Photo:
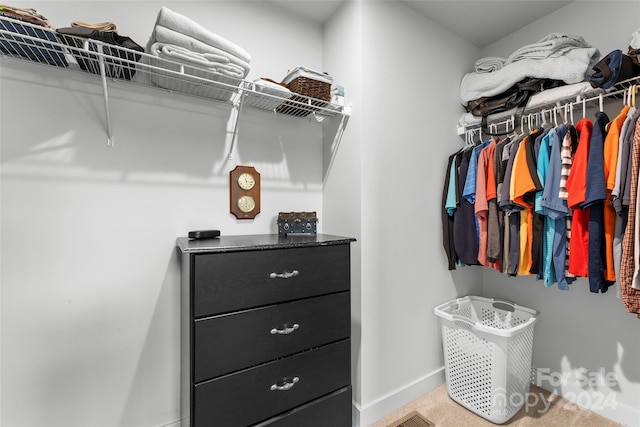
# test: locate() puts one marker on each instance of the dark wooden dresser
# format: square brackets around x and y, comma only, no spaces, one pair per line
[265,331]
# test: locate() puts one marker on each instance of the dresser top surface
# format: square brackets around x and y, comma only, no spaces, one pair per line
[258,241]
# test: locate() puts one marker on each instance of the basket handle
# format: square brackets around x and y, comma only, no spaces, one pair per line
[504,304]
[456,318]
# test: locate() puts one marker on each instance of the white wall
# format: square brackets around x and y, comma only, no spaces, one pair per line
[581,335]
[90,273]
[342,202]
[411,70]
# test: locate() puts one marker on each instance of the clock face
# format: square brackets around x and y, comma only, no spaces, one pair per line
[246,204]
[246,181]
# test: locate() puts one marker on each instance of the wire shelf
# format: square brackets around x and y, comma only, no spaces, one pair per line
[27,41]
[562,105]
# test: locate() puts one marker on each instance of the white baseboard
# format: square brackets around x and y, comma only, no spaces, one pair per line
[367,414]
[605,402]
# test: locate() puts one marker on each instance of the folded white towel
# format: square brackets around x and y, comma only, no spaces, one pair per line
[171,37]
[181,53]
[489,64]
[554,44]
[271,88]
[169,19]
[207,62]
[571,67]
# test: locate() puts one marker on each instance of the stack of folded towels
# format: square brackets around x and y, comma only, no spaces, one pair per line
[177,40]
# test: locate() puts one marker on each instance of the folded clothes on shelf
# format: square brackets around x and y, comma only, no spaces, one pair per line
[14,22]
[552,45]
[24,14]
[556,56]
[308,73]
[571,67]
[544,99]
[489,64]
[265,93]
[311,89]
[105,32]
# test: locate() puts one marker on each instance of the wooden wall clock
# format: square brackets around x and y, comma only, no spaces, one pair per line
[244,192]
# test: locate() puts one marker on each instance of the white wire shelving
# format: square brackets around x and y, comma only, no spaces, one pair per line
[25,41]
[563,107]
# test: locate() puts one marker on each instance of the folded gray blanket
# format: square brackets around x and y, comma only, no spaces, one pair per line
[552,45]
[489,64]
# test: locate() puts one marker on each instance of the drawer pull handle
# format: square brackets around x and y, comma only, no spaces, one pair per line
[286,386]
[284,275]
[285,331]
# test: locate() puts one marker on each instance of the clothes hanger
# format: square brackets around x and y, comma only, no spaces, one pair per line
[601,103]
[625,100]
[514,133]
[584,108]
[532,122]
[571,113]
[468,138]
[545,124]
[522,118]
[493,127]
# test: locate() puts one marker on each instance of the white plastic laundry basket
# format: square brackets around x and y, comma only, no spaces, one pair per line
[487,347]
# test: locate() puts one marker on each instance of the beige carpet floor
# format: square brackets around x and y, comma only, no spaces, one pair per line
[441,410]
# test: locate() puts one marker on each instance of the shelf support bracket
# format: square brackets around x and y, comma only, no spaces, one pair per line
[103,75]
[235,125]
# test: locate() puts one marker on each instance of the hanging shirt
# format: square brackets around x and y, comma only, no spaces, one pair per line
[485,187]
[577,180]
[537,221]
[469,191]
[524,184]
[464,221]
[595,195]
[546,273]
[626,139]
[556,209]
[447,218]
[451,185]
[631,296]
[576,189]
[496,216]
[624,154]
[612,148]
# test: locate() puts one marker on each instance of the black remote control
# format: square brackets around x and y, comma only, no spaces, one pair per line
[204,234]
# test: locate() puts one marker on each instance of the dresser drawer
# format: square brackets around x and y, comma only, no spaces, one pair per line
[333,410]
[229,281]
[259,393]
[231,342]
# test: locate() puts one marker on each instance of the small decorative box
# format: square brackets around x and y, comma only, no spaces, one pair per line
[297,222]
